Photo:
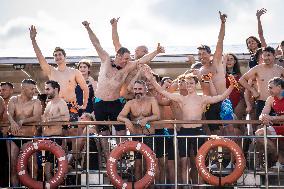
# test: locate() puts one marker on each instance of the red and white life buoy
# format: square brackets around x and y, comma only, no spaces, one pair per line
[235,150]
[28,150]
[115,155]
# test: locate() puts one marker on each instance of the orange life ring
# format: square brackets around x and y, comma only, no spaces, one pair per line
[235,150]
[116,153]
[28,150]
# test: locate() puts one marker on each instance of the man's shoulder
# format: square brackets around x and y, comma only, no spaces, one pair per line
[151,99]
[72,70]
[258,67]
[207,68]
[61,100]
[13,99]
[129,102]
[270,100]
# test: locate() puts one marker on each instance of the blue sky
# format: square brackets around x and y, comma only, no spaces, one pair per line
[170,22]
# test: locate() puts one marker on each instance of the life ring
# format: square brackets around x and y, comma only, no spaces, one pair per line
[28,150]
[116,153]
[235,150]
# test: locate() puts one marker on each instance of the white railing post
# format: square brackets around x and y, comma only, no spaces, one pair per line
[175,150]
[265,157]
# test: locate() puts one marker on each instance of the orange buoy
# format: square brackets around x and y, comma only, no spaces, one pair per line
[28,150]
[235,150]
[115,155]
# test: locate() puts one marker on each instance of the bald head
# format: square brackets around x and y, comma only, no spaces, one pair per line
[140,51]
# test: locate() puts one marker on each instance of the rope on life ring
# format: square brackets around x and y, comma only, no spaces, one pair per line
[32,147]
[235,150]
[115,155]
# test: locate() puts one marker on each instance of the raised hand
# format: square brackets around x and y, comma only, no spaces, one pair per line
[114,21]
[223,17]
[160,49]
[33,32]
[86,24]
[260,12]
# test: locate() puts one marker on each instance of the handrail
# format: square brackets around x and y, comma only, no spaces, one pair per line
[56,123]
[174,122]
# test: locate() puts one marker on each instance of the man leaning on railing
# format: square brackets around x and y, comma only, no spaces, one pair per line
[276,102]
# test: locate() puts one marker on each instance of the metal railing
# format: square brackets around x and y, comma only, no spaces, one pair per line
[262,176]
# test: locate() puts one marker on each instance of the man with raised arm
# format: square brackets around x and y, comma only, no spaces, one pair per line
[215,67]
[142,109]
[56,110]
[192,107]
[68,78]
[262,73]
[140,51]
[111,77]
[22,109]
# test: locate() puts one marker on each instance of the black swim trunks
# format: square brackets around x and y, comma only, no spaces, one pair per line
[108,111]
[213,113]
[185,144]
[17,141]
[164,146]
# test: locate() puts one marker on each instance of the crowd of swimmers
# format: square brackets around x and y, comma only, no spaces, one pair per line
[129,91]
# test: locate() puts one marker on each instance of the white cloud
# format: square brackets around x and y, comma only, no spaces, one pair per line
[180,23]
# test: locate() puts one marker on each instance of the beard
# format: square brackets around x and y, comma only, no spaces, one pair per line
[138,95]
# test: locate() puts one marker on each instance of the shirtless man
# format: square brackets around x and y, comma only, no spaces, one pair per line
[276,102]
[112,76]
[142,109]
[192,107]
[56,110]
[280,54]
[3,155]
[262,73]
[22,109]
[68,78]
[7,90]
[215,67]
[140,51]
[2,108]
